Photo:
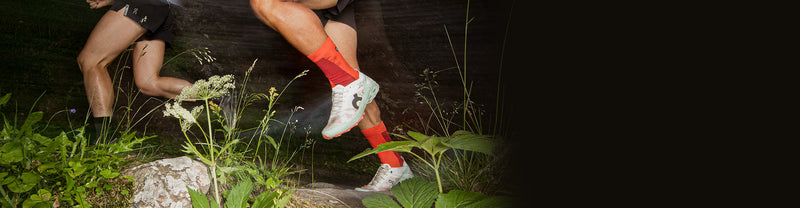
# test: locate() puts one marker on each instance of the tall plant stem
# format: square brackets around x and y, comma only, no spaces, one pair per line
[435,167]
[436,170]
[213,165]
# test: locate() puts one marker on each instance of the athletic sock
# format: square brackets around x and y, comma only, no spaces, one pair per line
[333,65]
[377,135]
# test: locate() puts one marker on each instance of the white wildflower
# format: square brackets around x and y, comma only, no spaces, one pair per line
[216,86]
[186,117]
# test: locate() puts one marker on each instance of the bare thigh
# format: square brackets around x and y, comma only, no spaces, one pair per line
[148,56]
[112,34]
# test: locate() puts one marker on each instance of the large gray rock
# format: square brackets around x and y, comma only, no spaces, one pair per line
[163,183]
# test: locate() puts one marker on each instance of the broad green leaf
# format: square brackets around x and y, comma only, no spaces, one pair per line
[5,134]
[41,199]
[5,99]
[415,193]
[43,194]
[238,195]
[34,117]
[45,167]
[379,200]
[434,145]
[30,203]
[92,184]
[270,183]
[43,140]
[24,183]
[284,200]
[76,169]
[399,146]
[11,152]
[264,200]
[30,178]
[458,198]
[417,136]
[213,203]
[109,173]
[7,180]
[472,142]
[199,200]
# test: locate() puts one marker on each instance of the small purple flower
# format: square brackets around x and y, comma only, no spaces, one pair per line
[72,110]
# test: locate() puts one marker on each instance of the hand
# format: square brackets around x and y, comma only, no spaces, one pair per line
[94,4]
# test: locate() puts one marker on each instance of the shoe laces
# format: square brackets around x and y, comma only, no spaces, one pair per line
[337,98]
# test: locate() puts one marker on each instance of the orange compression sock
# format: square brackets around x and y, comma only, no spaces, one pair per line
[333,65]
[377,135]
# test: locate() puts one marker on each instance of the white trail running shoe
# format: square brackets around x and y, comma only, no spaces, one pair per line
[348,104]
[387,177]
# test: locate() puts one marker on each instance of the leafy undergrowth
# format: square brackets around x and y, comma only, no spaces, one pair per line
[70,169]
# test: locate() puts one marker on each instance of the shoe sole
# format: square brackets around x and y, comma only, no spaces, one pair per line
[370,91]
[345,131]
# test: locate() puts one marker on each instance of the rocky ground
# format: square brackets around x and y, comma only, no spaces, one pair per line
[163,183]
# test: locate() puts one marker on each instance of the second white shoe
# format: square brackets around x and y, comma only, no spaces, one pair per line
[387,177]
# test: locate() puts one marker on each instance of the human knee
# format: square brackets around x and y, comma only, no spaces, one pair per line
[88,62]
[262,8]
[148,88]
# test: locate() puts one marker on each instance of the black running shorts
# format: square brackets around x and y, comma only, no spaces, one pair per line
[342,12]
[153,15]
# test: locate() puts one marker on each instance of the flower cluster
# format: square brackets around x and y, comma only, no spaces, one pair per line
[213,106]
[273,93]
[186,117]
[216,86]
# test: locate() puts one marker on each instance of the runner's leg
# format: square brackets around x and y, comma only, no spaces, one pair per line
[295,20]
[346,39]
[148,57]
[112,34]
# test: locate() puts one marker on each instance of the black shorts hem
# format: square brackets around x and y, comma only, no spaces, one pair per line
[343,12]
[155,17]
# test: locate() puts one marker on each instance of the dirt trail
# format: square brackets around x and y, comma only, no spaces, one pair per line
[331,195]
